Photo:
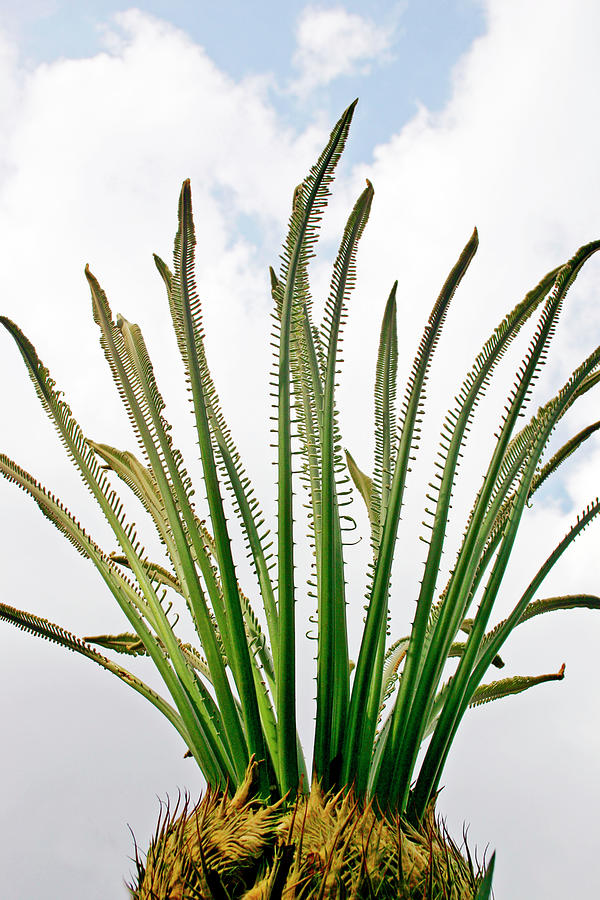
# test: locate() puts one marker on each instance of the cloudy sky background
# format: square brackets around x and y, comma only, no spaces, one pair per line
[470,113]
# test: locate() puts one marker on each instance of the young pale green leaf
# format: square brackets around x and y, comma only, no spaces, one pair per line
[363,483]
[551,604]
[458,648]
[158,573]
[394,657]
[126,642]
[140,480]
[496,690]
[543,606]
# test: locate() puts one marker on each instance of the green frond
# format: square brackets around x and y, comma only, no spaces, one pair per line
[129,643]
[248,510]
[256,638]
[562,454]
[133,603]
[515,455]
[263,665]
[256,641]
[189,701]
[237,482]
[521,443]
[454,605]
[186,313]
[551,604]
[502,630]
[386,436]
[509,455]
[291,297]
[366,690]
[332,658]
[592,379]
[49,631]
[394,657]
[65,522]
[132,370]
[481,650]
[310,199]
[121,366]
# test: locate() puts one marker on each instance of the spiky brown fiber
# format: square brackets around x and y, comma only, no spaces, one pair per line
[322,846]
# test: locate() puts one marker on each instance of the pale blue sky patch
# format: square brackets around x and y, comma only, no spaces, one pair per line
[416,44]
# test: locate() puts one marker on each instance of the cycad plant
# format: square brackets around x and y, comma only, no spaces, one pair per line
[362,823]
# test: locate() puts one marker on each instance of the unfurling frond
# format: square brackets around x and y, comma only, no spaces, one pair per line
[127,642]
[362,482]
[485,693]
[48,631]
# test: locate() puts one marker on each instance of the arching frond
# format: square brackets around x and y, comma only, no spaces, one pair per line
[409,728]
[480,651]
[132,370]
[133,603]
[48,631]
[485,693]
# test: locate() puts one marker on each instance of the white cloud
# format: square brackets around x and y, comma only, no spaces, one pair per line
[93,155]
[332,42]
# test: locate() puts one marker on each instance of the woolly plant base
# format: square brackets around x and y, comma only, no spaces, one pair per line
[323,846]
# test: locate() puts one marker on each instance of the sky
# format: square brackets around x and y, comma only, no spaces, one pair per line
[472,112]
